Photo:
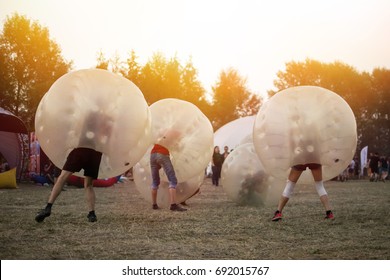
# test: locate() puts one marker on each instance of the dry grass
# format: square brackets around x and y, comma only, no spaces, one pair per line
[213,228]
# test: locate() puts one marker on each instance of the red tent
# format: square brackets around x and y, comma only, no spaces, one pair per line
[12,145]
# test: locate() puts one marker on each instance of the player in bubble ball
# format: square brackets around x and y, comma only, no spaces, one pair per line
[96,129]
[295,173]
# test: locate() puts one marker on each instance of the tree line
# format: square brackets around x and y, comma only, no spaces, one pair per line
[30,62]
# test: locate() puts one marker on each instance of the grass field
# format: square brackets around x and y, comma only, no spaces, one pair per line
[213,228]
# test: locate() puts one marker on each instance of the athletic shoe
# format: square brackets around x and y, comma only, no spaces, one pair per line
[155,207]
[176,207]
[92,217]
[329,216]
[42,214]
[277,216]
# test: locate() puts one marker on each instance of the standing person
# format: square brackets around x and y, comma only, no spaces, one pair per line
[374,166]
[160,158]
[295,173]
[351,169]
[225,152]
[83,157]
[383,169]
[216,167]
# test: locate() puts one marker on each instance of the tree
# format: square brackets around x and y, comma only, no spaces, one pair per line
[161,78]
[133,69]
[232,99]
[375,120]
[193,90]
[152,83]
[337,77]
[30,62]
[102,62]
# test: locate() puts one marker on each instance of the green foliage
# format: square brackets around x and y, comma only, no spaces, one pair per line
[30,62]
[367,94]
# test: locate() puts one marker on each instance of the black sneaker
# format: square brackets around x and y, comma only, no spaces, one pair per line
[92,217]
[155,207]
[176,207]
[42,214]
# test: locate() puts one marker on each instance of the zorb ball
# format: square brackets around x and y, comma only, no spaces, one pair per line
[184,190]
[244,178]
[302,125]
[187,133]
[94,109]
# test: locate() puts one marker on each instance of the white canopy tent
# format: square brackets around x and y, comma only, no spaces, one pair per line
[234,133]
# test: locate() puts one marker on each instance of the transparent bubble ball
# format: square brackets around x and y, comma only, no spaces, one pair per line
[305,124]
[188,135]
[244,178]
[94,108]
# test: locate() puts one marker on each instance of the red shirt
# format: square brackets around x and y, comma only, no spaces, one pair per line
[160,150]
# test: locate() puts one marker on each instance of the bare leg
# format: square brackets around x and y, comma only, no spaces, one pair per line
[282,202]
[293,177]
[317,175]
[325,201]
[90,193]
[57,188]
[172,195]
[154,196]
[55,192]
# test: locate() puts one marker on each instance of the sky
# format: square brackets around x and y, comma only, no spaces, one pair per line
[255,37]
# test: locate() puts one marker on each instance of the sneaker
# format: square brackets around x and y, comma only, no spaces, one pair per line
[176,207]
[155,207]
[91,217]
[329,216]
[277,216]
[42,214]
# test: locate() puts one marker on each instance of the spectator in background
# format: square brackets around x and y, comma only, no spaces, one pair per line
[216,167]
[374,166]
[351,169]
[384,168]
[225,152]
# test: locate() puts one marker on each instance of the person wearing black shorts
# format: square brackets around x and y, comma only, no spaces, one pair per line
[79,158]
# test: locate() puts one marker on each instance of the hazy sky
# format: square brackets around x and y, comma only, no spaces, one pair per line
[253,36]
